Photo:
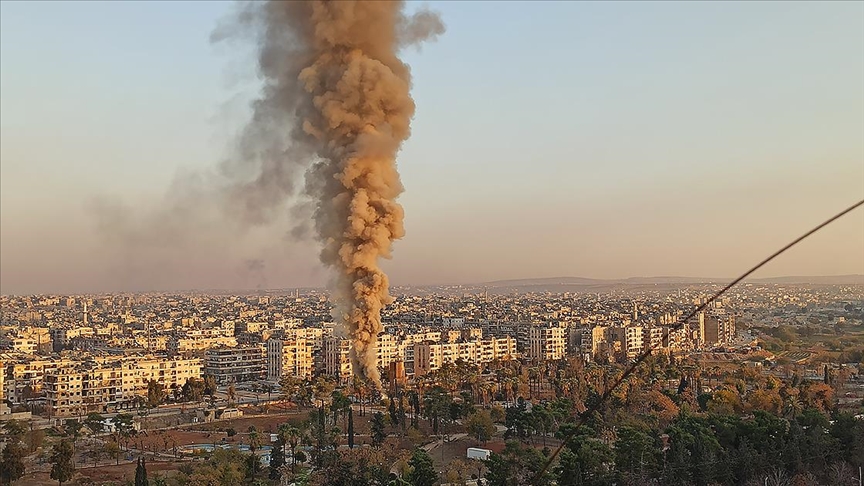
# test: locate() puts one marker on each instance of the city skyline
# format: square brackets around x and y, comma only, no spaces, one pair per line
[614,150]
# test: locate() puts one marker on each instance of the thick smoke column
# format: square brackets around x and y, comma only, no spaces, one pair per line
[336,88]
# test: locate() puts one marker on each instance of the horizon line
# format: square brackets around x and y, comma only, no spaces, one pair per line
[479,284]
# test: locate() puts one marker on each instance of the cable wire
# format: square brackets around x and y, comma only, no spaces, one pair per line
[583,417]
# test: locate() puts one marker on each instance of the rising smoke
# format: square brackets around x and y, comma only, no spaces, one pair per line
[320,148]
[336,96]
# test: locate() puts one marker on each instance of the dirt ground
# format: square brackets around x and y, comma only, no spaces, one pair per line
[109,474]
[158,446]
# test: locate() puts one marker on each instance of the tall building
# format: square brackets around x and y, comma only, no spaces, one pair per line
[547,343]
[292,356]
[719,329]
[337,357]
[631,340]
[235,365]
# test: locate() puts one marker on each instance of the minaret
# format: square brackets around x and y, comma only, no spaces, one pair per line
[85,313]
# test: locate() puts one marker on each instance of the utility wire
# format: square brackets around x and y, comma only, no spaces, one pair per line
[583,417]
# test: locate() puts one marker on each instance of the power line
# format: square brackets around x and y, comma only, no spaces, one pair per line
[583,417]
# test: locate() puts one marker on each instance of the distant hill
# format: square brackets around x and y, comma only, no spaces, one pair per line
[823,280]
[559,283]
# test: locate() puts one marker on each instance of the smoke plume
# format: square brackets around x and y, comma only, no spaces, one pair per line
[336,99]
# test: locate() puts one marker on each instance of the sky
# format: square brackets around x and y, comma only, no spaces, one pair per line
[601,140]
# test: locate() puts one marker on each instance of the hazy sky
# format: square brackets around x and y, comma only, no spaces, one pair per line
[551,139]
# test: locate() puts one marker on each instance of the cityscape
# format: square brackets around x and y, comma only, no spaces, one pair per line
[176,362]
[391,243]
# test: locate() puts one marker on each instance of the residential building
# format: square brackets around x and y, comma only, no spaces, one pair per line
[547,342]
[429,356]
[235,365]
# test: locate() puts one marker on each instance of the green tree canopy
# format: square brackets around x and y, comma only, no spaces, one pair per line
[62,468]
[422,470]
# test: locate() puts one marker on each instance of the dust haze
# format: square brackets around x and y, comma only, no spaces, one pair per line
[320,148]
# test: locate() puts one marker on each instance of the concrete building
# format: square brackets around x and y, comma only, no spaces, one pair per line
[719,329]
[110,384]
[236,365]
[337,357]
[63,389]
[547,343]
[630,339]
[294,356]
[430,356]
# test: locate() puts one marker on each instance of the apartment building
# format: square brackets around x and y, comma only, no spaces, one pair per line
[201,343]
[389,349]
[630,339]
[337,357]
[235,365]
[4,409]
[23,376]
[429,356]
[547,342]
[26,345]
[696,329]
[294,356]
[108,384]
[63,389]
[719,329]
[653,337]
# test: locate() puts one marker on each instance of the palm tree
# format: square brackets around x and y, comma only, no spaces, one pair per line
[289,385]
[340,404]
[322,389]
[291,436]
[358,389]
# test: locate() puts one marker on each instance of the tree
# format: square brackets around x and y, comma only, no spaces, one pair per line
[481,426]
[15,428]
[96,452]
[72,428]
[393,413]
[340,404]
[34,439]
[210,386]
[422,470]
[518,420]
[124,425]
[254,440]
[291,436]
[141,473]
[62,468]
[350,428]
[635,455]
[112,450]
[277,457]
[436,408]
[289,386]
[193,390]
[322,389]
[155,393]
[516,465]
[585,460]
[358,389]
[377,425]
[253,466]
[95,422]
[232,393]
[11,463]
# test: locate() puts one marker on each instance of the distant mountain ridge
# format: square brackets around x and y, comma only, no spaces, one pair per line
[853,279]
